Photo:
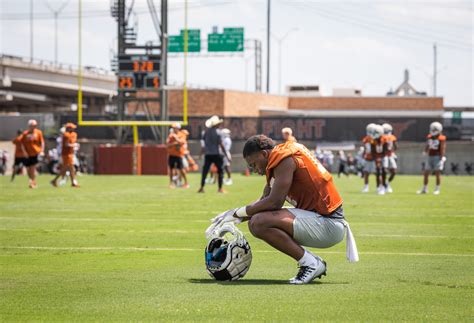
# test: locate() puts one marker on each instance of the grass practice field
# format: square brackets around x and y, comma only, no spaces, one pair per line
[125,248]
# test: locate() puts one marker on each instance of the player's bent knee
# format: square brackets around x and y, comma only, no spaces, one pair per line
[256,224]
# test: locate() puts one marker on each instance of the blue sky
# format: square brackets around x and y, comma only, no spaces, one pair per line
[334,44]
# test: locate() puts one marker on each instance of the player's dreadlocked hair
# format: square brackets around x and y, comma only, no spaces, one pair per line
[257,143]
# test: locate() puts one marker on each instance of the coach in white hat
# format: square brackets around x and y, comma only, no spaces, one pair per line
[211,141]
[213,121]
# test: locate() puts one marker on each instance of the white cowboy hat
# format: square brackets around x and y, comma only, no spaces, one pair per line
[226,131]
[213,121]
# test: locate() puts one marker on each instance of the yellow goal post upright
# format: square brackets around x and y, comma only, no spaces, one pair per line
[133,123]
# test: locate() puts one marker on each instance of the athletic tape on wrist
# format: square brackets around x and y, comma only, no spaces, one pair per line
[241,212]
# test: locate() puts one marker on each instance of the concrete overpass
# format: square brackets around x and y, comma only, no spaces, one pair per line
[41,86]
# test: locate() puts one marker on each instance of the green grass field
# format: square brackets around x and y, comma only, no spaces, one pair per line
[125,248]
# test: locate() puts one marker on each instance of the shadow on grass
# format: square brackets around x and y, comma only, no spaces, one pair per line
[256,282]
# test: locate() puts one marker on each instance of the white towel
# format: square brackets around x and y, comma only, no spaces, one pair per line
[351,248]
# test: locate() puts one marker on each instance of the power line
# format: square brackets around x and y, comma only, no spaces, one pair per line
[380,29]
[98,13]
[377,23]
[451,29]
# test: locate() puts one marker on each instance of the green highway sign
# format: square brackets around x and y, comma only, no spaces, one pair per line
[232,40]
[176,43]
[457,117]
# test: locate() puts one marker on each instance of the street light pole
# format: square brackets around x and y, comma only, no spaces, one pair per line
[55,38]
[56,15]
[31,30]
[280,41]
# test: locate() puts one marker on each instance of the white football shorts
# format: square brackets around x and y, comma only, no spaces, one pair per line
[311,229]
[434,163]
[369,166]
[389,162]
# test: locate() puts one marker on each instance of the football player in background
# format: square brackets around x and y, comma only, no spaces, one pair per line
[20,155]
[188,161]
[227,143]
[369,164]
[436,151]
[176,144]
[379,151]
[287,135]
[68,143]
[317,218]
[33,143]
[390,161]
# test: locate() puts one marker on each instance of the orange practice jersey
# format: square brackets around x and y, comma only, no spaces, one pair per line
[176,144]
[367,148]
[391,140]
[32,142]
[18,148]
[69,138]
[378,147]
[434,144]
[312,188]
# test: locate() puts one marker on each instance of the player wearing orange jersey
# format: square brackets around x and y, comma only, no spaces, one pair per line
[33,144]
[436,151]
[316,220]
[369,164]
[20,155]
[287,134]
[188,162]
[390,160]
[176,150]
[379,152]
[69,142]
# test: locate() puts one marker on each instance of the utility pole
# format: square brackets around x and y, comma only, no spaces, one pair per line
[121,24]
[31,30]
[435,68]
[268,45]
[56,14]
[164,68]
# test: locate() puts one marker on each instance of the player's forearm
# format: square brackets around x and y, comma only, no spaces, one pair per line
[442,150]
[266,204]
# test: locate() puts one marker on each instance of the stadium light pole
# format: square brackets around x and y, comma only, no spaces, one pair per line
[280,41]
[56,14]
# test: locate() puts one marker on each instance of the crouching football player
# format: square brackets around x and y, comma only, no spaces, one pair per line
[317,219]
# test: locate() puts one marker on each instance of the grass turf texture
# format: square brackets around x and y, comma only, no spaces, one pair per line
[130,249]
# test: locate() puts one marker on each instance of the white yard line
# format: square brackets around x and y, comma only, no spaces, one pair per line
[99,219]
[39,230]
[171,220]
[200,250]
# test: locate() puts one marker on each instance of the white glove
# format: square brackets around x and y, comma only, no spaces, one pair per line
[442,161]
[225,217]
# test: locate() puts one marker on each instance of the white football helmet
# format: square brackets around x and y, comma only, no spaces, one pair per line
[370,129]
[436,128]
[387,128]
[228,255]
[378,131]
